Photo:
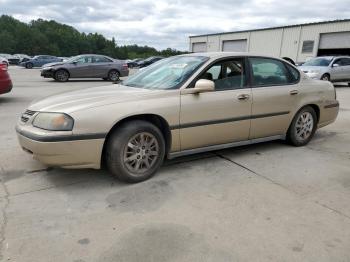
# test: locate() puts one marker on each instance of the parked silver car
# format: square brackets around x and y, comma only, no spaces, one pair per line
[328,68]
[86,66]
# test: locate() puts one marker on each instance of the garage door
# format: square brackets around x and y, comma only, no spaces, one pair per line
[335,40]
[199,47]
[234,45]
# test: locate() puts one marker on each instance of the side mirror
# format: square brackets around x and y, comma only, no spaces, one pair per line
[335,65]
[202,85]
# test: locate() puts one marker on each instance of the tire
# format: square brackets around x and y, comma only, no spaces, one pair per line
[29,65]
[303,127]
[61,75]
[326,77]
[140,161]
[113,75]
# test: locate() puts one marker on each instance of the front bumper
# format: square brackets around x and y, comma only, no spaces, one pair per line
[61,149]
[47,73]
[316,76]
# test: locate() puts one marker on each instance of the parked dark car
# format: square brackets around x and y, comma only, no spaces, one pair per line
[149,61]
[21,58]
[40,60]
[5,80]
[86,66]
[134,62]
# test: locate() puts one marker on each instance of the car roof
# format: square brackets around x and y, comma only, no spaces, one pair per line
[226,54]
[333,57]
[92,54]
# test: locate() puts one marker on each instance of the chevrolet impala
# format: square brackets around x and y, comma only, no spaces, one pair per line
[178,106]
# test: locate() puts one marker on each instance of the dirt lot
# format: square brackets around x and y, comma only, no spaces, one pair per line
[268,202]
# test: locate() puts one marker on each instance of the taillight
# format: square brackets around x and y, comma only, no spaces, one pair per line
[3,67]
[125,66]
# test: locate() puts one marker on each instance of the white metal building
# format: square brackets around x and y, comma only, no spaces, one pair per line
[295,42]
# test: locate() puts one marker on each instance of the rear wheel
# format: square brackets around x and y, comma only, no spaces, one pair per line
[113,75]
[29,65]
[303,127]
[61,75]
[135,151]
[326,77]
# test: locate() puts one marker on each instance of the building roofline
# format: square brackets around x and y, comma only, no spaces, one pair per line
[277,27]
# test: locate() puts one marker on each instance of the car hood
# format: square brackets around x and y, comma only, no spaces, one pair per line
[92,97]
[314,68]
[53,64]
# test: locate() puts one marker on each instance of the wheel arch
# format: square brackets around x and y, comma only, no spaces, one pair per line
[313,106]
[113,69]
[62,68]
[157,120]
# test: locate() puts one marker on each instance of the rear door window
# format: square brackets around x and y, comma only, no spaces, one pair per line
[101,59]
[269,72]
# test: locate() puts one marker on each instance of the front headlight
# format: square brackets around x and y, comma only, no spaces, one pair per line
[54,121]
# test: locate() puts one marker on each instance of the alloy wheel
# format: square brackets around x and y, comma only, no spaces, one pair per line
[304,126]
[62,76]
[113,75]
[325,78]
[141,153]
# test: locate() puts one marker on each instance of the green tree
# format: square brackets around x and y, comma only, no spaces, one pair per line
[52,38]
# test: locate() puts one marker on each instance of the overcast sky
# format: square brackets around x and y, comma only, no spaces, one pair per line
[168,23]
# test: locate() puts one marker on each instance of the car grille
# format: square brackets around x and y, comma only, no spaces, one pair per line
[27,115]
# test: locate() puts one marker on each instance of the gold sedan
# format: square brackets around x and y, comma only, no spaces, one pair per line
[178,106]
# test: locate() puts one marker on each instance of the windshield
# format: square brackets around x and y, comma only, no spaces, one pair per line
[319,61]
[73,59]
[168,73]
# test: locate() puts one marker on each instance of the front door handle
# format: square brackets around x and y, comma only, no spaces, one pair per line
[243,97]
[294,92]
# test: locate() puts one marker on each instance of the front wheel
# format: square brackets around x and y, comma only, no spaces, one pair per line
[29,65]
[303,127]
[61,75]
[113,75]
[326,77]
[135,151]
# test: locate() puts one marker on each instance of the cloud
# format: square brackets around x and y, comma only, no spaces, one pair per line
[168,23]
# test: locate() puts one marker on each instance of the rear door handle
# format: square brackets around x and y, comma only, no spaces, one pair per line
[294,92]
[243,97]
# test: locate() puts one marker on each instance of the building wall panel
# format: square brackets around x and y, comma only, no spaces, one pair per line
[280,42]
[267,42]
[312,32]
[290,43]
